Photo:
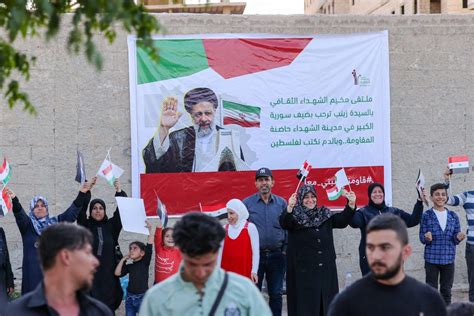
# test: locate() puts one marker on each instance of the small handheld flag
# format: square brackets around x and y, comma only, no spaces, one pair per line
[303,171]
[109,171]
[80,168]
[161,212]
[458,164]
[5,172]
[420,185]
[5,203]
[217,210]
[334,193]
[341,179]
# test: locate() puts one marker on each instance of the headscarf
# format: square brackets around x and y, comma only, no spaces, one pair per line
[91,206]
[309,217]
[370,190]
[241,210]
[41,224]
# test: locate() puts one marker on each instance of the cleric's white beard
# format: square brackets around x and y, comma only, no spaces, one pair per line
[203,132]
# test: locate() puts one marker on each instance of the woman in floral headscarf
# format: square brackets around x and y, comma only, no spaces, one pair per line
[311,276]
[240,252]
[31,226]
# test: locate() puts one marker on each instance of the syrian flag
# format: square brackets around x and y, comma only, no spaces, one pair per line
[5,172]
[110,171]
[161,212]
[459,164]
[80,168]
[5,203]
[241,114]
[420,185]
[304,171]
[334,193]
[217,210]
[341,179]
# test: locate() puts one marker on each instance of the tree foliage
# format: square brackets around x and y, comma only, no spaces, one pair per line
[29,18]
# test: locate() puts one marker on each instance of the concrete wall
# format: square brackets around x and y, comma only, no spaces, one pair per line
[431,70]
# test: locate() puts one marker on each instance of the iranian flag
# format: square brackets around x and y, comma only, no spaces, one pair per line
[5,172]
[459,164]
[334,193]
[5,203]
[241,114]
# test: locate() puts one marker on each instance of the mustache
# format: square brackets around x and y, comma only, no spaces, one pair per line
[378,264]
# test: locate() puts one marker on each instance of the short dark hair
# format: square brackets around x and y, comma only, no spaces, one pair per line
[461,309]
[139,245]
[437,186]
[198,234]
[61,236]
[198,95]
[389,221]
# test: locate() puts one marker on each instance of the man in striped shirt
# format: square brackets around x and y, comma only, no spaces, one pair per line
[466,200]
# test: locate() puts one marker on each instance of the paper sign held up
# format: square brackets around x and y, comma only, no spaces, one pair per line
[132,214]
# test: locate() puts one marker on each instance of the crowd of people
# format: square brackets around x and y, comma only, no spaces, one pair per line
[206,268]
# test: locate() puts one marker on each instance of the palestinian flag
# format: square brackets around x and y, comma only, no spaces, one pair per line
[5,172]
[334,193]
[459,164]
[108,174]
[217,210]
[5,203]
[240,114]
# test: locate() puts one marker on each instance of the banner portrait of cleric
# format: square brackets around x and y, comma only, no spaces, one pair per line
[203,146]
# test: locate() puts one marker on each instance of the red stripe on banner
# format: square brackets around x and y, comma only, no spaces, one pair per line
[230,120]
[107,170]
[458,159]
[4,165]
[242,56]
[182,192]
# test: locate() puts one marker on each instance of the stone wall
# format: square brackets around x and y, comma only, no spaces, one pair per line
[431,74]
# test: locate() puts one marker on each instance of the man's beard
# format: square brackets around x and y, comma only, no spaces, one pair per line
[204,131]
[390,272]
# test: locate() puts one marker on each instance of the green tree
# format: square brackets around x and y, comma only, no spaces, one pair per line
[29,18]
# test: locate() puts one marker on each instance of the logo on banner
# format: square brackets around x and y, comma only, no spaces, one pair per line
[360,80]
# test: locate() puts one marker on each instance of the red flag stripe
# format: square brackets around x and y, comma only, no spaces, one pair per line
[458,159]
[107,170]
[4,165]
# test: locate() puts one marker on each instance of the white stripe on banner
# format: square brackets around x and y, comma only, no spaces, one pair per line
[237,114]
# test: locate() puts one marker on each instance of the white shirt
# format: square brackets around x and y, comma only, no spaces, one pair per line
[442,218]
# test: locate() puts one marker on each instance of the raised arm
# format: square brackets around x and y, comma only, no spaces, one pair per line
[22,219]
[342,219]
[414,218]
[71,214]
[116,220]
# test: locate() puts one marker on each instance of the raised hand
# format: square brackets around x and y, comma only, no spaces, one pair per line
[291,203]
[10,193]
[446,174]
[351,197]
[117,185]
[169,113]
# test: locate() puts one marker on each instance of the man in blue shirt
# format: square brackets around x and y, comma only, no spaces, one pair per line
[264,211]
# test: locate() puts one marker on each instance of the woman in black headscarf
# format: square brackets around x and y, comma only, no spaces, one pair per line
[311,276]
[376,207]
[106,286]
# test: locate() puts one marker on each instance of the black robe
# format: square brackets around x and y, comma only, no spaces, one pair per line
[106,286]
[180,155]
[311,276]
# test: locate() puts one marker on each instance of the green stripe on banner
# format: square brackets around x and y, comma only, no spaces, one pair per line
[178,58]
[240,107]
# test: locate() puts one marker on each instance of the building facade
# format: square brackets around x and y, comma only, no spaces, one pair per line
[182,6]
[387,7]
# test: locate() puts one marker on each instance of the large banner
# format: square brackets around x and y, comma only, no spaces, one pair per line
[215,108]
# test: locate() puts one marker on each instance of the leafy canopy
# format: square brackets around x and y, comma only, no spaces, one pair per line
[29,18]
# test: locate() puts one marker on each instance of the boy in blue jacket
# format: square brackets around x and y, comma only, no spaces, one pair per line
[440,232]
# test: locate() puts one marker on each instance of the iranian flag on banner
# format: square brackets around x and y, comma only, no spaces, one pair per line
[5,172]
[334,193]
[5,203]
[241,114]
